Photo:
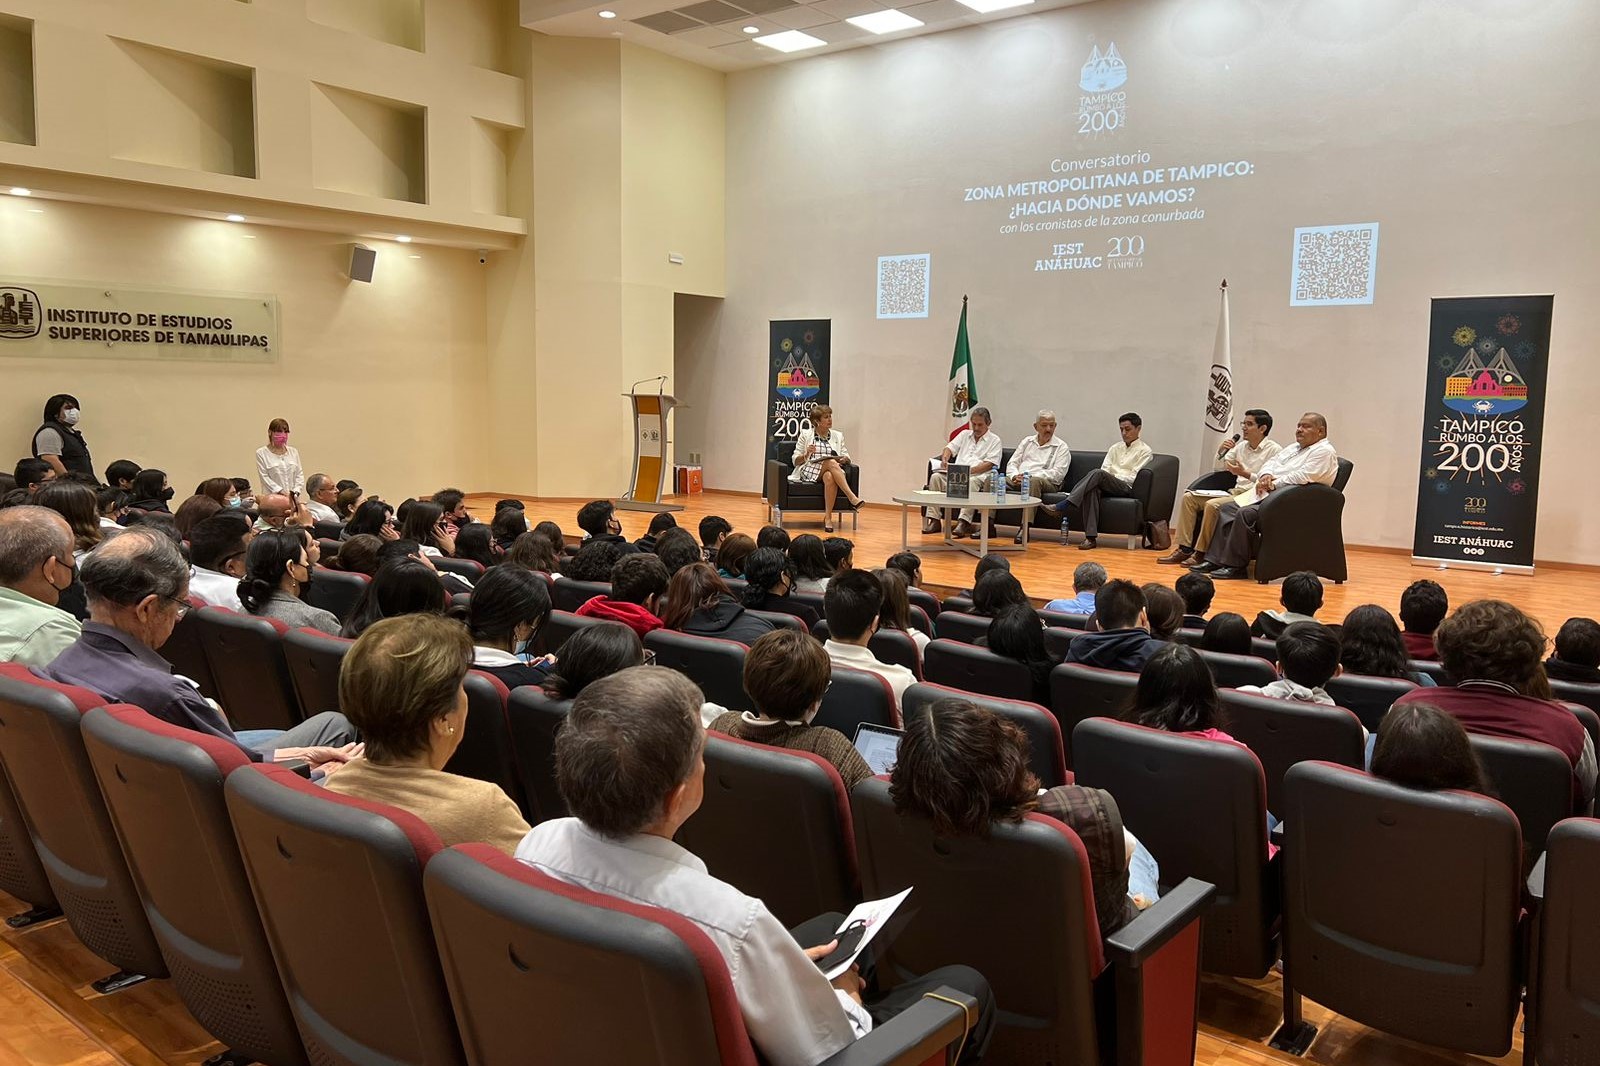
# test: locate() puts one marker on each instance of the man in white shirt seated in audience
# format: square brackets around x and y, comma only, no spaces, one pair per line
[976,448]
[216,549]
[1044,457]
[1310,460]
[35,569]
[630,765]
[1121,465]
[321,492]
[851,604]
[278,511]
[1243,456]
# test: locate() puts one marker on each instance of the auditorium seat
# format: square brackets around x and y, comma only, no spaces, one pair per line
[486,752]
[569,595]
[314,660]
[1079,692]
[1401,910]
[716,665]
[779,619]
[775,824]
[975,669]
[1063,620]
[812,600]
[1563,994]
[958,625]
[337,591]
[1285,732]
[246,656]
[1575,692]
[1191,637]
[43,754]
[1302,528]
[559,626]
[461,600]
[889,645]
[960,604]
[187,655]
[1200,806]
[524,953]
[1368,698]
[22,875]
[1040,949]
[163,786]
[1534,780]
[1432,669]
[1046,753]
[926,601]
[1236,671]
[1262,648]
[1058,641]
[330,549]
[535,719]
[470,569]
[328,530]
[1590,720]
[782,495]
[338,884]
[856,696]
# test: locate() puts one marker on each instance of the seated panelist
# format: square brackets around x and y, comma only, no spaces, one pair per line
[976,448]
[1044,457]
[1115,477]
[820,455]
[1243,456]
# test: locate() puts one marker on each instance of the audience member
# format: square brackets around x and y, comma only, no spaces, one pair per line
[59,443]
[598,520]
[322,493]
[1124,641]
[30,474]
[138,584]
[346,502]
[736,548]
[997,590]
[638,582]
[552,532]
[773,537]
[220,489]
[1420,746]
[1577,654]
[533,551]
[629,763]
[217,550]
[192,511]
[659,524]
[895,614]
[1308,658]
[373,517]
[278,462]
[453,510]
[1495,653]
[590,654]
[840,553]
[786,674]
[1016,634]
[812,571]
[120,474]
[1371,645]
[1301,597]
[424,523]
[401,586]
[74,501]
[241,485]
[1197,590]
[1163,610]
[160,523]
[852,604]
[401,685]
[714,529]
[277,570]
[476,542]
[677,548]
[593,561]
[965,768]
[112,505]
[986,563]
[277,511]
[508,608]
[909,564]
[36,567]
[1177,694]
[1087,579]
[509,523]
[698,602]
[1423,606]
[769,577]
[359,554]
[150,491]
[1227,633]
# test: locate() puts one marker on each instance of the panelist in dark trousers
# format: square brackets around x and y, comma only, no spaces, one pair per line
[1311,460]
[58,441]
[1242,456]
[1121,465]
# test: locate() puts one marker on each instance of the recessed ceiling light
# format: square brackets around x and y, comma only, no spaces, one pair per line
[886,21]
[793,40]
[35,210]
[413,257]
[249,236]
[17,190]
[403,239]
[235,218]
[983,7]
[752,29]
[608,14]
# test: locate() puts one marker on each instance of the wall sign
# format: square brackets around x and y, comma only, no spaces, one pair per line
[60,320]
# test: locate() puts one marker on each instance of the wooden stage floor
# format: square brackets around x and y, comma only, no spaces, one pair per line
[1377,575]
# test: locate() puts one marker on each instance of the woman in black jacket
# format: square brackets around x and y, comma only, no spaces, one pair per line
[699,602]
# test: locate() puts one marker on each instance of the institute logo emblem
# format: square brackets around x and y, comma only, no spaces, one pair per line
[1484,389]
[798,379]
[20,313]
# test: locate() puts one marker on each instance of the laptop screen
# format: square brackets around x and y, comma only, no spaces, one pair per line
[879,746]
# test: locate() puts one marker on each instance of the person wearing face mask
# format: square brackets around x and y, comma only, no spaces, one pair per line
[278,463]
[277,570]
[217,548]
[509,607]
[58,441]
[35,569]
[598,520]
[151,491]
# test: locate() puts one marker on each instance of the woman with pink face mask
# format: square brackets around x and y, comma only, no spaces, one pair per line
[278,464]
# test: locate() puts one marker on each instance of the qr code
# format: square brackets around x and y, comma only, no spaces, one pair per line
[903,286]
[1334,265]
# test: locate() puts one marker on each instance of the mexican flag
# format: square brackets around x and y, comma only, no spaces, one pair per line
[962,394]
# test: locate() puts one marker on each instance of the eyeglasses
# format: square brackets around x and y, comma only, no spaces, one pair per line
[182,605]
[649,657]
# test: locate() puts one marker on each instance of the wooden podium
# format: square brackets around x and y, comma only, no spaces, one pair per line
[650,413]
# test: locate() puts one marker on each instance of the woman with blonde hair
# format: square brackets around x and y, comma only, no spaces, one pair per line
[820,455]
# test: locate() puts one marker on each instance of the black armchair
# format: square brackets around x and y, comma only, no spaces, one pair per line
[1302,528]
[783,495]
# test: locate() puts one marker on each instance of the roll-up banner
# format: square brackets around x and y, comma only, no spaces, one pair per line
[1483,424]
[798,375]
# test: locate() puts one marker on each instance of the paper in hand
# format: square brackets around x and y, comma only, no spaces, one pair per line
[868,917]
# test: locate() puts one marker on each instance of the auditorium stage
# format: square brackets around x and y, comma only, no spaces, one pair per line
[1377,575]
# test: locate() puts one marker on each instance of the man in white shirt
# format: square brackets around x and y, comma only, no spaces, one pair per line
[1121,465]
[35,569]
[630,765]
[1044,457]
[1243,457]
[278,511]
[217,549]
[1311,460]
[851,604]
[976,448]
[321,492]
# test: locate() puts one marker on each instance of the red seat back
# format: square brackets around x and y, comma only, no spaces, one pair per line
[314,659]
[246,656]
[1565,993]
[854,697]
[716,665]
[187,654]
[975,669]
[1284,732]
[1046,752]
[1079,692]
[960,626]
[337,591]
[21,874]
[535,718]
[485,751]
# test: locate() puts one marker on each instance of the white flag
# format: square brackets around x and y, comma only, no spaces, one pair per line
[1219,392]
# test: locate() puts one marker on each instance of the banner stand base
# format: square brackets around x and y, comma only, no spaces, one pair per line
[653,508]
[1463,564]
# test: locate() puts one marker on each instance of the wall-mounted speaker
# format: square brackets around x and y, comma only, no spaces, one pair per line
[362,260]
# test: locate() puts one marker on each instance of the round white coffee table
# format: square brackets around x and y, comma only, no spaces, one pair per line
[985,503]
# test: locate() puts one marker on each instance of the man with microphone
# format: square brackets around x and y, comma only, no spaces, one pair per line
[1243,458]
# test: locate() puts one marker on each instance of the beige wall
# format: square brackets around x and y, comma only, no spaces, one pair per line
[1468,130]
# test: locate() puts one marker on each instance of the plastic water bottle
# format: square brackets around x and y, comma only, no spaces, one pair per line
[1063,530]
[999,485]
[1027,484]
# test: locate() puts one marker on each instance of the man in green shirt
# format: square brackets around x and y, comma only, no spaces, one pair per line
[36,567]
